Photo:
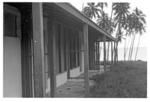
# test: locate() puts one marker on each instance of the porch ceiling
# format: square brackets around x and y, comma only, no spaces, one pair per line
[60,15]
[96,32]
[69,15]
[69,20]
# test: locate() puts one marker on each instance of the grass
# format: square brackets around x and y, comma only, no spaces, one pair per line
[126,79]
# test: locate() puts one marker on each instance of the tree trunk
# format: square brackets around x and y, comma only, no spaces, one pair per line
[111,52]
[131,48]
[104,44]
[108,52]
[125,50]
[115,52]
[99,56]
[99,53]
[137,47]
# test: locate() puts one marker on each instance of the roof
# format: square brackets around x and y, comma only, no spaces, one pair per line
[72,10]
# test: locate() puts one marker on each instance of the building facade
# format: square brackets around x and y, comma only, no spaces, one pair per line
[45,44]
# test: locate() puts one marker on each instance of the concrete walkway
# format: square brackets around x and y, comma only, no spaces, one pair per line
[74,87]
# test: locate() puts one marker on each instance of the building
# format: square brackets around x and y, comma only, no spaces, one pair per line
[44,45]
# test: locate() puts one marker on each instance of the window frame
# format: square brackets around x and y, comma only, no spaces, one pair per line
[14,11]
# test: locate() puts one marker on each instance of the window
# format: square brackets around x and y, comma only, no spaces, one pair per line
[10,25]
[12,22]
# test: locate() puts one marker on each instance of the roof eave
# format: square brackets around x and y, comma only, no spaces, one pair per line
[72,10]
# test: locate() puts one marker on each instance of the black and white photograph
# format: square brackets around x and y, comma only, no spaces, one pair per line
[81,49]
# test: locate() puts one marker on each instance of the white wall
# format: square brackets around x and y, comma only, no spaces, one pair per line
[62,78]
[12,67]
[75,72]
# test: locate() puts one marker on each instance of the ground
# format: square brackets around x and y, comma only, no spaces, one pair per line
[126,79]
[75,86]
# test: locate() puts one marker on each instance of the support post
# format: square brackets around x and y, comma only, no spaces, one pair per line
[86,58]
[95,53]
[108,52]
[99,55]
[52,59]
[104,39]
[37,13]
[98,52]
[81,52]
[62,49]
[68,54]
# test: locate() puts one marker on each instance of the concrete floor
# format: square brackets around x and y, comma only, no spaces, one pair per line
[74,87]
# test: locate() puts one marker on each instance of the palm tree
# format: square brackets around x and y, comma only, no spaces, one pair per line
[129,28]
[125,50]
[131,47]
[104,26]
[121,11]
[102,5]
[105,23]
[91,10]
[140,26]
[134,25]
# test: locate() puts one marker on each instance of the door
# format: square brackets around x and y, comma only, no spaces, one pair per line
[12,84]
